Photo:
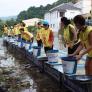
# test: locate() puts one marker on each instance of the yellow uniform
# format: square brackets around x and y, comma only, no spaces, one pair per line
[5,31]
[47,37]
[16,31]
[27,36]
[10,32]
[84,38]
[39,34]
[25,29]
[67,35]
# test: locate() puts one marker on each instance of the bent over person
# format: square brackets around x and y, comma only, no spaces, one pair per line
[26,36]
[70,35]
[85,35]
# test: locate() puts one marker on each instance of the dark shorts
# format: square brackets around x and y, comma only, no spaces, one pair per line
[73,49]
[48,48]
[39,43]
[9,36]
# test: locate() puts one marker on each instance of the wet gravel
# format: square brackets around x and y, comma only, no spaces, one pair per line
[17,75]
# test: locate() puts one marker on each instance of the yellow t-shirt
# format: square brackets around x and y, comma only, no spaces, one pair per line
[25,29]
[5,30]
[39,34]
[46,37]
[67,36]
[27,35]
[84,38]
[16,31]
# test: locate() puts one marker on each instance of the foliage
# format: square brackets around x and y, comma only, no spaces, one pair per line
[11,22]
[1,26]
[38,12]
[63,1]
[32,29]
[32,12]
[22,16]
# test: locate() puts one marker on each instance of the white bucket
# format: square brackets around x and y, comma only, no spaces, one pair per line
[19,44]
[69,65]
[36,50]
[11,40]
[8,39]
[16,42]
[24,44]
[27,46]
[53,56]
[4,38]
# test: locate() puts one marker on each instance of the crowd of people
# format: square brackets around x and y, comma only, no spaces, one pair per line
[78,40]
[77,37]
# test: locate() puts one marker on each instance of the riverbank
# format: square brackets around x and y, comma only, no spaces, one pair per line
[20,76]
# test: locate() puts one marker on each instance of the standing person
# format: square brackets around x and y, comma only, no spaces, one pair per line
[47,37]
[85,35]
[10,31]
[5,30]
[39,34]
[16,31]
[70,35]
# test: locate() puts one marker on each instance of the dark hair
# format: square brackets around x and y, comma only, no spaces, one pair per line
[39,23]
[65,21]
[23,24]
[79,19]
[5,25]
[15,24]
[21,29]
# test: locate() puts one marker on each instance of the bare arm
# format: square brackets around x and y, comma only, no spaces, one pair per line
[78,50]
[90,44]
[74,33]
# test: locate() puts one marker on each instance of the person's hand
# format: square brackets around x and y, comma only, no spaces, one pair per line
[78,57]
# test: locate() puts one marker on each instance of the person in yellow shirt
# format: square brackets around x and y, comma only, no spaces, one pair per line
[5,30]
[47,37]
[26,36]
[39,34]
[16,30]
[10,32]
[85,35]
[23,25]
[69,35]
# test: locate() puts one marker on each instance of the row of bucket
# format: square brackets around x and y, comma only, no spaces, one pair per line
[69,64]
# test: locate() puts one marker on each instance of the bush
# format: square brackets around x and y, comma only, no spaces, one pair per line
[32,29]
[1,33]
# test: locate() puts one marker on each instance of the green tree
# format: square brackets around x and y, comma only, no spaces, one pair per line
[1,27]
[38,12]
[11,22]
[22,16]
